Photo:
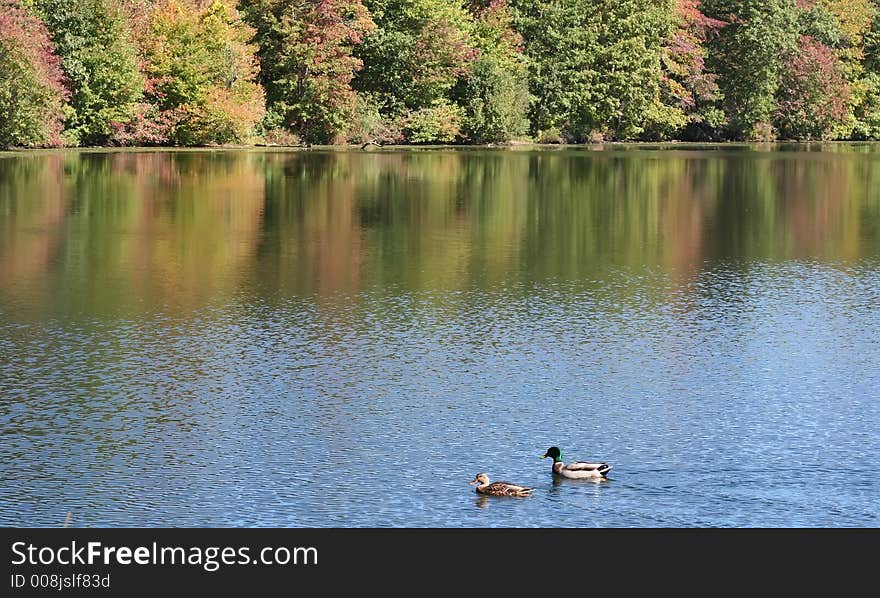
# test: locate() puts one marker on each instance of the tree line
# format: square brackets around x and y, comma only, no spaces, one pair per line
[200,72]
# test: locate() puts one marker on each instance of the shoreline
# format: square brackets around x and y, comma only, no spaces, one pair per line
[514,146]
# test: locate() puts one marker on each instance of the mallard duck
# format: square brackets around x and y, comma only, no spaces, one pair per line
[579,470]
[499,488]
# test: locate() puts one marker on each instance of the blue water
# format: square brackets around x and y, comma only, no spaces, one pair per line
[735,390]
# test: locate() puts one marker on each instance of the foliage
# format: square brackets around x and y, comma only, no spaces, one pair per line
[595,66]
[496,102]
[866,91]
[495,93]
[688,90]
[550,136]
[31,89]
[814,95]
[368,124]
[440,123]
[867,111]
[148,126]
[100,65]
[748,55]
[225,115]
[852,18]
[201,70]
[854,23]
[815,21]
[417,54]
[306,53]
[195,72]
[872,44]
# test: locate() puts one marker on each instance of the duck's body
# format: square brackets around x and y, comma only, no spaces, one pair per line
[499,488]
[579,470]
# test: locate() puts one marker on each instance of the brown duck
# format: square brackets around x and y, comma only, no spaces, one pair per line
[499,488]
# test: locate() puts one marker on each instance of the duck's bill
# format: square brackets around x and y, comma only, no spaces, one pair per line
[544,456]
[472,482]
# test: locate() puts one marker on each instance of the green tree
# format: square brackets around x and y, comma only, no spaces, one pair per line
[872,40]
[419,52]
[748,54]
[595,66]
[495,93]
[851,23]
[100,65]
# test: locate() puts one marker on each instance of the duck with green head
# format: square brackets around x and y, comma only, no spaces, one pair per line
[579,470]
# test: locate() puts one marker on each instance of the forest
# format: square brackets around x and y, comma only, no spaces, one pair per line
[301,72]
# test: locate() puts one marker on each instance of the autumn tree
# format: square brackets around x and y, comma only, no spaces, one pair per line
[850,25]
[31,90]
[687,87]
[202,70]
[306,52]
[813,92]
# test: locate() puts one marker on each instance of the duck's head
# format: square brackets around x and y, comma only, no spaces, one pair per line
[480,478]
[554,453]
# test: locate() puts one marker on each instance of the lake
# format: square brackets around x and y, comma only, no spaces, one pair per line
[329,338]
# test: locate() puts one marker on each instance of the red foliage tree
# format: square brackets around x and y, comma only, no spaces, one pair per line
[686,84]
[814,93]
[32,93]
